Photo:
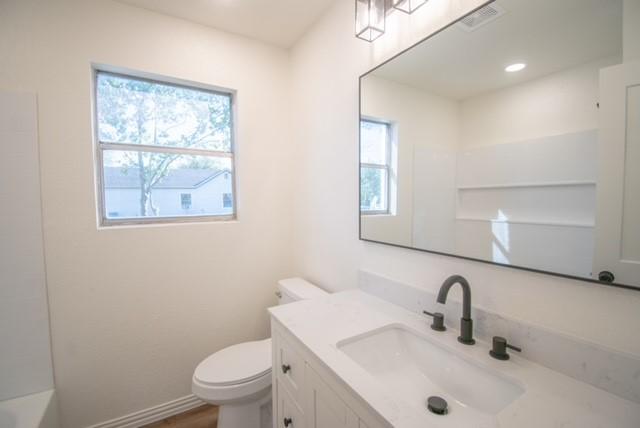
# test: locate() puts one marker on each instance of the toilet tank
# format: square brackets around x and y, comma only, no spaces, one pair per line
[294,289]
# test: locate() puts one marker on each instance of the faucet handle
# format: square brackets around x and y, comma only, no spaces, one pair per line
[438,320]
[499,350]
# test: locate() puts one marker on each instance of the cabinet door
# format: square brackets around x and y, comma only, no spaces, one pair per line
[288,414]
[289,366]
[324,408]
[618,201]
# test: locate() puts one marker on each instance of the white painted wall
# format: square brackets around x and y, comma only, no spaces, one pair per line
[326,66]
[133,310]
[631,30]
[560,103]
[25,351]
[434,198]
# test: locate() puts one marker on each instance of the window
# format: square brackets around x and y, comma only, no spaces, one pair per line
[375,159]
[185,200]
[158,143]
[226,200]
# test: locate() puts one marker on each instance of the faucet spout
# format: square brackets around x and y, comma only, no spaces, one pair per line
[466,293]
[466,323]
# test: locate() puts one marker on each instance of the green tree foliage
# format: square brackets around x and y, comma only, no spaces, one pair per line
[371,190]
[142,112]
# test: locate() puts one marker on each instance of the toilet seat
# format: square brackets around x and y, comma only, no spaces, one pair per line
[240,371]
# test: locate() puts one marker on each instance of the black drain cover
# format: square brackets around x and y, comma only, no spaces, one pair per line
[437,405]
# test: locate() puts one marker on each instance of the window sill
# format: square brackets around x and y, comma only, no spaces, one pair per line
[377,215]
[172,223]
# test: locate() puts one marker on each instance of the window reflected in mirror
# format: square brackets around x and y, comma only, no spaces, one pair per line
[375,166]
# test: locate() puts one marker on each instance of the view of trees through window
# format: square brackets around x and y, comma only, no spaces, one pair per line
[159,142]
[374,167]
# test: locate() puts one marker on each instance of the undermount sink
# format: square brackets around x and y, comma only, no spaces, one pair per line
[412,367]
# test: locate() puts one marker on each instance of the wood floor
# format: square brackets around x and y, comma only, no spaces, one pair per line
[201,417]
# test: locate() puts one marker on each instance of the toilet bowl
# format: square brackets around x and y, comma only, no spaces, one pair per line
[238,378]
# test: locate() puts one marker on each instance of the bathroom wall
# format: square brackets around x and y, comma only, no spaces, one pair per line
[133,310]
[25,361]
[631,30]
[559,103]
[326,65]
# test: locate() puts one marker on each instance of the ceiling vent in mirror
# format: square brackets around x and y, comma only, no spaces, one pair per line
[481,17]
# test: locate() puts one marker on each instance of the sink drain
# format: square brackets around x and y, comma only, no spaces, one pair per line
[437,405]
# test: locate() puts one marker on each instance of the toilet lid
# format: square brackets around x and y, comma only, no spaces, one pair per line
[236,364]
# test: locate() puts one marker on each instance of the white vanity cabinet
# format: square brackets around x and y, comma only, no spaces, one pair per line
[305,395]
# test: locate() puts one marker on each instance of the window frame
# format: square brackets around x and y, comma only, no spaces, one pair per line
[102,146]
[386,167]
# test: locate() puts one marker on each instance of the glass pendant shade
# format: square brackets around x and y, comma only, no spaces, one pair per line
[370,18]
[408,6]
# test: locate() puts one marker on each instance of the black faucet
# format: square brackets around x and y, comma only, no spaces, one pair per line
[466,324]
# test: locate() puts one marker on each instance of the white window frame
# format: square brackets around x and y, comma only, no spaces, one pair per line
[386,166]
[103,146]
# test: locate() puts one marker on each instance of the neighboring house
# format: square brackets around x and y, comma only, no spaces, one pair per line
[182,192]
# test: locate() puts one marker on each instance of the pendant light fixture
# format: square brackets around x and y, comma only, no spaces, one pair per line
[371,15]
[370,19]
[408,6]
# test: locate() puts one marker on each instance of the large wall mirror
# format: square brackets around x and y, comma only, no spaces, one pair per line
[512,137]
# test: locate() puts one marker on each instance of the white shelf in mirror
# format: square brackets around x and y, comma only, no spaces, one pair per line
[533,184]
[533,222]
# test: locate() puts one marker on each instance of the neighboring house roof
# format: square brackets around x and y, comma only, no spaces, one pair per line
[182,178]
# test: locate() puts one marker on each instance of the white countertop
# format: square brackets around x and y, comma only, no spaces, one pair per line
[551,399]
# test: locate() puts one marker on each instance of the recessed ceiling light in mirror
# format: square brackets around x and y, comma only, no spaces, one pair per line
[515,67]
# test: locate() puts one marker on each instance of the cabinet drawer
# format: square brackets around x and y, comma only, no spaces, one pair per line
[288,411]
[289,367]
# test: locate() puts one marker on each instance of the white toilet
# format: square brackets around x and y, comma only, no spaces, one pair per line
[238,378]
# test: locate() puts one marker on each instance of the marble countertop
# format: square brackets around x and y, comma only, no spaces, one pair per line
[550,399]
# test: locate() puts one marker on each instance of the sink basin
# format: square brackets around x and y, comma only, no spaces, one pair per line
[411,366]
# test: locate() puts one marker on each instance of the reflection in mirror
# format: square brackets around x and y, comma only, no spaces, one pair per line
[375,166]
[511,137]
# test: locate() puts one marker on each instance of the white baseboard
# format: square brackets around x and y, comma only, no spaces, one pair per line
[152,414]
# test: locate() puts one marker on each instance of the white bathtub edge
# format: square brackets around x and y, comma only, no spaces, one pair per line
[39,410]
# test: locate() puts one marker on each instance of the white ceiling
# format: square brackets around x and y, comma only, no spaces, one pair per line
[548,35]
[279,22]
